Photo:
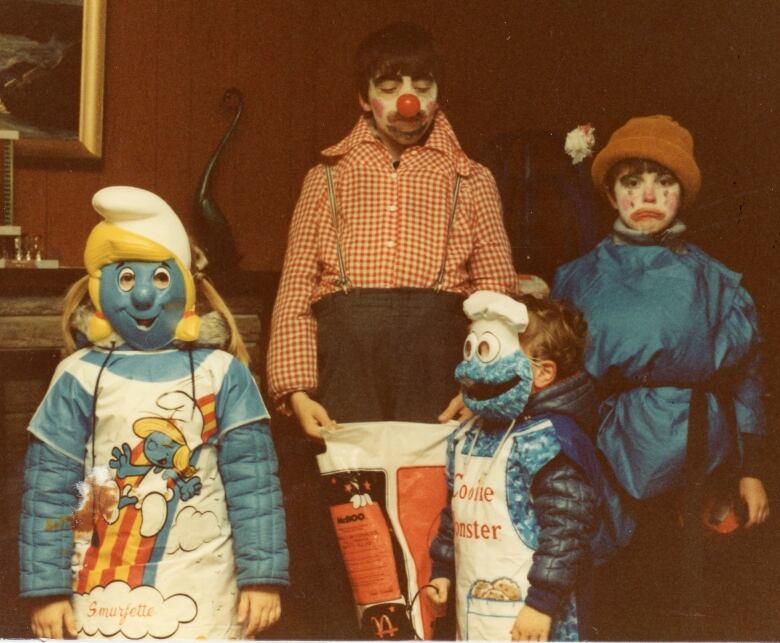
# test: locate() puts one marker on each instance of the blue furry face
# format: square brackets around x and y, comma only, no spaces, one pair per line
[495,374]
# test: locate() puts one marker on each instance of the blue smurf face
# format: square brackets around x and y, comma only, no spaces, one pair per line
[160,449]
[143,301]
[495,373]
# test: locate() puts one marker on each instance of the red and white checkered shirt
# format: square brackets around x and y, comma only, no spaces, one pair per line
[393,229]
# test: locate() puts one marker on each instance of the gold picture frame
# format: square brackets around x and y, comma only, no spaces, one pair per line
[81,137]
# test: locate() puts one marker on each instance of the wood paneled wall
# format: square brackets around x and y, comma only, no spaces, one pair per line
[510,66]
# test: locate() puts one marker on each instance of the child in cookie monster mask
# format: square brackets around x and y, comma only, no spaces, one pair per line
[530,508]
[151,507]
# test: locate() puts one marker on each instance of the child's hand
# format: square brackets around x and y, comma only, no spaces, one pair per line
[50,615]
[311,415]
[259,607]
[753,493]
[531,625]
[437,595]
[456,410]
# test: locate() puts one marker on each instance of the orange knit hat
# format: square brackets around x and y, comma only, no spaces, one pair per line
[657,138]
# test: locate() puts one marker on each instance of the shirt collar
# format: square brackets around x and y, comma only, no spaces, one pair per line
[672,237]
[442,139]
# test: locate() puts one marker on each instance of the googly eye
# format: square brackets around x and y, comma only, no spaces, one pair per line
[488,347]
[469,346]
[162,277]
[126,279]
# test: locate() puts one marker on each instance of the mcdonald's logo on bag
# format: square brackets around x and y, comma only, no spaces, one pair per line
[383,627]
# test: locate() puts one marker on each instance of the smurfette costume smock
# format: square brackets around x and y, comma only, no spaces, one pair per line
[158,562]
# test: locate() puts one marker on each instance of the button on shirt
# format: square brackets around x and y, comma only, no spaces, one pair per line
[392,224]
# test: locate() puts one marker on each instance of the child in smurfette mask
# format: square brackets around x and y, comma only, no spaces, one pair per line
[676,354]
[530,508]
[180,533]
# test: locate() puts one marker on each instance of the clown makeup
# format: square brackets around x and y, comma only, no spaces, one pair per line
[143,301]
[646,201]
[403,108]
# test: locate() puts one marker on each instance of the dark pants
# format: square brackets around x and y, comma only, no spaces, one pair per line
[642,594]
[388,354]
[383,355]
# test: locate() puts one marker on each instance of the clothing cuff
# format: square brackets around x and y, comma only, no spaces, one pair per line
[753,456]
[443,569]
[543,600]
[281,583]
[64,591]
[282,400]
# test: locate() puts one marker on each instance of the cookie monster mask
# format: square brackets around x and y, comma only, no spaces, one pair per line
[495,373]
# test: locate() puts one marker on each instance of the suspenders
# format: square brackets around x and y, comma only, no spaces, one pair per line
[343,281]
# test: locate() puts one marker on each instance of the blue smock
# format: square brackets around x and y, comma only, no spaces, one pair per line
[661,322]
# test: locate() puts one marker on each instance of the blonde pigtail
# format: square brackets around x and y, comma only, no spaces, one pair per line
[76,294]
[236,344]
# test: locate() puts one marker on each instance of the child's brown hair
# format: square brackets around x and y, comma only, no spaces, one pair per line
[557,331]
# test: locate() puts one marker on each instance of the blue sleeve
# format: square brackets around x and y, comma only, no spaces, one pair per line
[63,419]
[442,549]
[45,536]
[238,399]
[247,462]
[742,329]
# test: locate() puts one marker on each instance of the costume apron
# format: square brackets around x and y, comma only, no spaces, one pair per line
[492,560]
[160,564]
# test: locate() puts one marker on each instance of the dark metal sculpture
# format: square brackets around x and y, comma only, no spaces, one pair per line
[211,227]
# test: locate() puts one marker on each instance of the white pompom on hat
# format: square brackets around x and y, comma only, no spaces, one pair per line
[145,214]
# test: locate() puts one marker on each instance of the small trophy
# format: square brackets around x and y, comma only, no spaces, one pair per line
[17,250]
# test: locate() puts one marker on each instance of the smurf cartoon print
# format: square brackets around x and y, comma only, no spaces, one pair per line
[157,428]
[166,450]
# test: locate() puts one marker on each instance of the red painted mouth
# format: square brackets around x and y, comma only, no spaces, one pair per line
[641,215]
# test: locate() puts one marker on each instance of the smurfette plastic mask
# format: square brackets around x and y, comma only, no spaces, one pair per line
[143,301]
[495,373]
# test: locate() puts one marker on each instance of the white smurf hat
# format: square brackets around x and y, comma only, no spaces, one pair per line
[489,305]
[145,214]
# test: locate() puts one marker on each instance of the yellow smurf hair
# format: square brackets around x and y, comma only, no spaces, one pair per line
[144,427]
[131,214]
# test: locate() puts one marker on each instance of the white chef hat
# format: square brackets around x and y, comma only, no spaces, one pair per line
[489,305]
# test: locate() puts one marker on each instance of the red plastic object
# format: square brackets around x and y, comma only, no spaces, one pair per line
[408,105]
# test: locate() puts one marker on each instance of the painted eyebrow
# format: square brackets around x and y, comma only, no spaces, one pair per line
[385,77]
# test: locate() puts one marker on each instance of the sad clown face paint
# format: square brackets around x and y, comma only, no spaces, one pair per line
[143,301]
[495,373]
[403,108]
[646,201]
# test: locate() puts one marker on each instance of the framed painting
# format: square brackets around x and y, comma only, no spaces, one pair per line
[51,76]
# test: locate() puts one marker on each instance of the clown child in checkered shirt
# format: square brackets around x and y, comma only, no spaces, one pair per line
[392,230]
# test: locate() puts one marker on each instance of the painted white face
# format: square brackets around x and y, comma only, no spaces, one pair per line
[646,201]
[403,108]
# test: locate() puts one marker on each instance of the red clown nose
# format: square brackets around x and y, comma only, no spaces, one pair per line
[408,105]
